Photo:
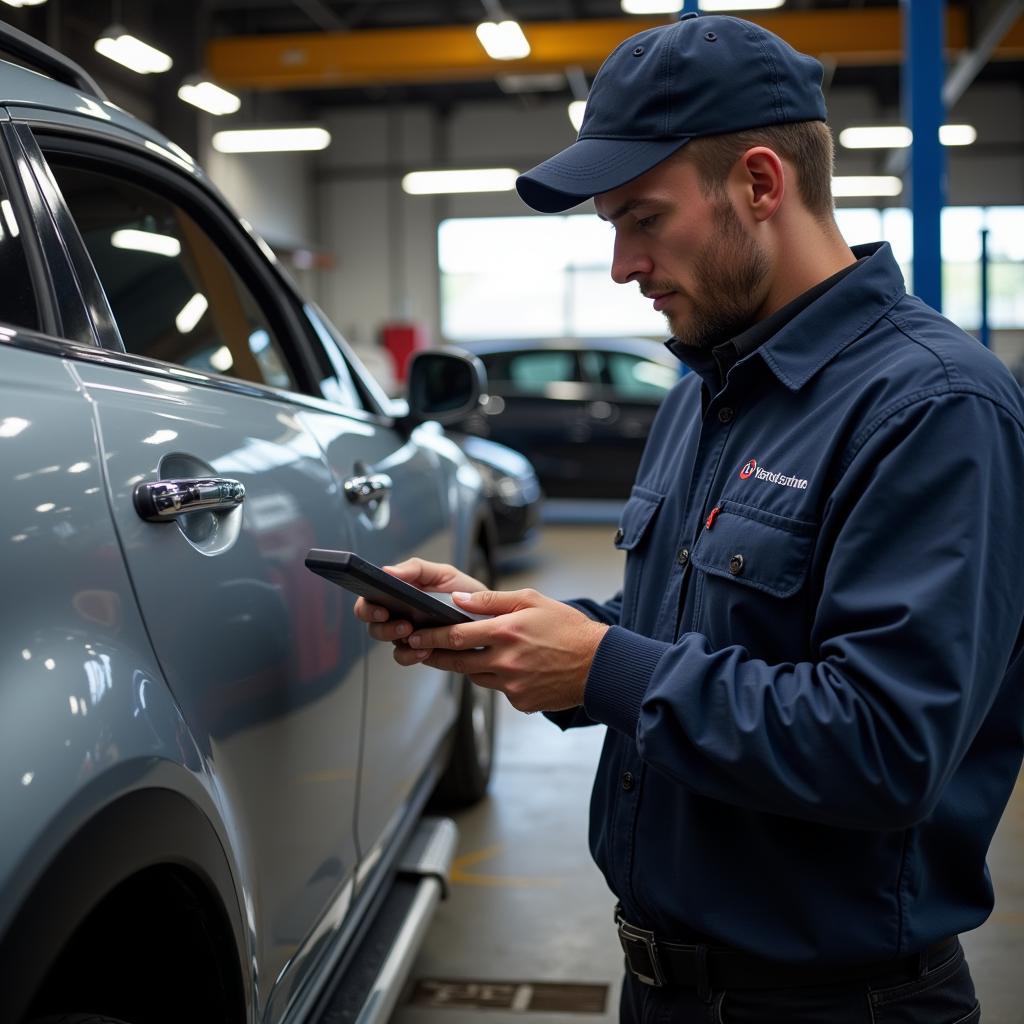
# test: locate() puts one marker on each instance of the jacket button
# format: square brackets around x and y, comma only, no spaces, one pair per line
[726,413]
[627,781]
[736,565]
[683,556]
[619,535]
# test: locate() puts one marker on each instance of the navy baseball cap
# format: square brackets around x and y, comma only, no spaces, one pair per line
[701,75]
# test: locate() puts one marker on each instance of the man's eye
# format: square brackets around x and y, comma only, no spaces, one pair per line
[646,222]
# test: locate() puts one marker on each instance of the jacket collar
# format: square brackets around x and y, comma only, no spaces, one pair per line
[817,333]
[820,332]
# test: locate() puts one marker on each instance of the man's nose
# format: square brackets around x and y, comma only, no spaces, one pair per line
[628,261]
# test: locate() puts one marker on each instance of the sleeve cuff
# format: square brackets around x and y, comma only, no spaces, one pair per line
[619,677]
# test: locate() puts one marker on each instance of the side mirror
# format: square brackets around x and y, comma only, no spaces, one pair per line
[444,386]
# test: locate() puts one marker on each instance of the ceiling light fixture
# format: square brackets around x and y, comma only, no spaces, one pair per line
[957,134]
[24,3]
[897,136]
[501,35]
[488,179]
[132,53]
[866,185]
[271,140]
[209,97]
[503,40]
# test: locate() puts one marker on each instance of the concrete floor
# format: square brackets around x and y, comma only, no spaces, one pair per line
[527,903]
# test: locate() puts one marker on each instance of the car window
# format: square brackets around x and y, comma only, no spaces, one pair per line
[172,291]
[531,371]
[630,375]
[17,297]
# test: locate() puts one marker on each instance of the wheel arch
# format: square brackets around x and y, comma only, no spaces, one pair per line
[143,831]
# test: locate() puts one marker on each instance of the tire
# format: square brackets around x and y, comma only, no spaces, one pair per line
[468,772]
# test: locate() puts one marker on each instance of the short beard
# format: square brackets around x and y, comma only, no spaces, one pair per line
[729,271]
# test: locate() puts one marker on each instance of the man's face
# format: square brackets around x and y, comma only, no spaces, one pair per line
[689,253]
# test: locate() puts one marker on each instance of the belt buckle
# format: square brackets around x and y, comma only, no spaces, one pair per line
[641,954]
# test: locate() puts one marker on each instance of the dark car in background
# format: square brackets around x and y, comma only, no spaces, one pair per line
[579,409]
[513,490]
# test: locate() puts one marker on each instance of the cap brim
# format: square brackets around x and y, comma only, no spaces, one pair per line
[589,167]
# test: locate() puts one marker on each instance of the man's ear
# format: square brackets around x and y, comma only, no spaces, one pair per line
[763,179]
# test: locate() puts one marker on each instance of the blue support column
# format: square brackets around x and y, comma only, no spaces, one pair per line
[690,5]
[923,71]
[984,331]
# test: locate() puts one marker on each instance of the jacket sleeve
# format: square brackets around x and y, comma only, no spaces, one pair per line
[917,619]
[607,612]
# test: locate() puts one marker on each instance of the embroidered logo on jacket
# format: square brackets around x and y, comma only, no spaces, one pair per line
[752,469]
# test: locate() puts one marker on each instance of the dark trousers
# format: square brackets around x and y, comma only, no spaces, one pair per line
[943,994]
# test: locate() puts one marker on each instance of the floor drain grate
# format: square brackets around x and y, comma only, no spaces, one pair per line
[520,996]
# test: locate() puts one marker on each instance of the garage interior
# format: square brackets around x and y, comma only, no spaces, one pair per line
[402,86]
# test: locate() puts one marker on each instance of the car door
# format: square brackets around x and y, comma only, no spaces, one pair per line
[262,658]
[399,504]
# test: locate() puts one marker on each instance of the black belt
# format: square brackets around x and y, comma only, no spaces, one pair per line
[659,963]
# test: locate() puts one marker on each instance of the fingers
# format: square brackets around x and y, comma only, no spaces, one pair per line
[498,602]
[454,638]
[421,573]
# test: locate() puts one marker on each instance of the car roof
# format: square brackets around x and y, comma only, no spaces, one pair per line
[654,350]
[64,88]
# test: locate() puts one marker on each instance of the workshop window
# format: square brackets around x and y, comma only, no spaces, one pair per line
[535,277]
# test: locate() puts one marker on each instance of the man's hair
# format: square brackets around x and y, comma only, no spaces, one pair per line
[807,145]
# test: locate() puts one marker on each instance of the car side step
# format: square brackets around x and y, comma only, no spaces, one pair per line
[367,991]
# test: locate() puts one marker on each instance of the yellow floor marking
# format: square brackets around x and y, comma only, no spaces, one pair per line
[461,876]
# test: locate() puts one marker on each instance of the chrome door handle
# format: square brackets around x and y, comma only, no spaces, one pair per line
[163,500]
[364,490]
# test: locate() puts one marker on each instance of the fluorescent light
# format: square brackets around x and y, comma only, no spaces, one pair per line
[957,134]
[133,53]
[145,241]
[209,97]
[899,137]
[503,40]
[24,3]
[893,136]
[710,6]
[191,313]
[866,185]
[576,111]
[428,183]
[271,140]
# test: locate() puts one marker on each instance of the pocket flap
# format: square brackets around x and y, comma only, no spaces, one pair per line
[636,516]
[756,548]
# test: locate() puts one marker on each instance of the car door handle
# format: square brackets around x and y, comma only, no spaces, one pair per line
[163,500]
[364,490]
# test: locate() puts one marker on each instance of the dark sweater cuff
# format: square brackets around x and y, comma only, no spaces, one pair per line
[619,676]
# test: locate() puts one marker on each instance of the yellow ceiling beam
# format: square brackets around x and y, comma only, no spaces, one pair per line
[452,53]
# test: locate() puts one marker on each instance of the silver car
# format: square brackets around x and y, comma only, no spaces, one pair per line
[213,783]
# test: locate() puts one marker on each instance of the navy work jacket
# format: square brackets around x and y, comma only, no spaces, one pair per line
[813,679]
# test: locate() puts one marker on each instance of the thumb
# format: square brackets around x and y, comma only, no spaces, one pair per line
[496,602]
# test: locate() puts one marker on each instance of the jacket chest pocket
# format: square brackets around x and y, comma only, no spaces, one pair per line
[751,587]
[638,517]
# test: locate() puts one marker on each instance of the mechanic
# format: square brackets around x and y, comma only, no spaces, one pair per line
[812,676]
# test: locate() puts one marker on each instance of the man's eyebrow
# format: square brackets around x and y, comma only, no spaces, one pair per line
[629,204]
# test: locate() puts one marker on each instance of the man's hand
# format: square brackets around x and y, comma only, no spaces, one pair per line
[535,650]
[435,576]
